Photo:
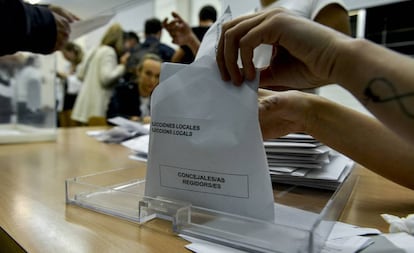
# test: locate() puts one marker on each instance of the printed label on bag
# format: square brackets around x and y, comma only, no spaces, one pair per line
[202,181]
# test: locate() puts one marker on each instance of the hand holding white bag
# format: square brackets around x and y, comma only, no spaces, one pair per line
[205,142]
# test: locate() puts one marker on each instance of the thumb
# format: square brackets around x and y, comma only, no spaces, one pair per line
[268,81]
[266,77]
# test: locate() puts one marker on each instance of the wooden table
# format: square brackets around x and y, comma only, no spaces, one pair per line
[33,210]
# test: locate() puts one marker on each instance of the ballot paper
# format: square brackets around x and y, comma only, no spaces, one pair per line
[138,147]
[300,159]
[205,142]
[124,130]
[130,125]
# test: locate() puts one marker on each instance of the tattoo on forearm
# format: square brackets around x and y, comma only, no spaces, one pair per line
[381,90]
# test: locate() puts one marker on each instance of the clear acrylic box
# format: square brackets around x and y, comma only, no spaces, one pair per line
[301,223]
[27,98]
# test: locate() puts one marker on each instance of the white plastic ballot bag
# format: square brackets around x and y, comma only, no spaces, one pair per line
[205,142]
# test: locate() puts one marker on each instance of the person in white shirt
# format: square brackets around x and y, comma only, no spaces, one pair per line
[69,84]
[309,55]
[99,74]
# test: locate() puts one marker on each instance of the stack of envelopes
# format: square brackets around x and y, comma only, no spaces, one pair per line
[299,159]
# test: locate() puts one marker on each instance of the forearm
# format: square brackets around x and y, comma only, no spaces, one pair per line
[382,80]
[363,139]
[178,55]
[193,43]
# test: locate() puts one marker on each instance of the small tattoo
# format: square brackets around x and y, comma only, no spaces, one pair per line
[371,93]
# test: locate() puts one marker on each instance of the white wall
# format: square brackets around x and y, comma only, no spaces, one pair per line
[162,10]
[358,4]
[241,7]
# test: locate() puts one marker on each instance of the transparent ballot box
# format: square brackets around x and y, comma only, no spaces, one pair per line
[303,216]
[27,98]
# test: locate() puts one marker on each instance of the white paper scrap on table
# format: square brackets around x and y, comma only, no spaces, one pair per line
[138,144]
[341,230]
[130,125]
[401,240]
[346,244]
[205,142]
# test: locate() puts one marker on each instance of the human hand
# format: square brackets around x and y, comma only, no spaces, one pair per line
[135,118]
[284,112]
[61,75]
[146,120]
[179,30]
[69,16]
[62,18]
[304,53]
[124,58]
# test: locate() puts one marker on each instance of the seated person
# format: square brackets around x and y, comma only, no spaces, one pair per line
[131,100]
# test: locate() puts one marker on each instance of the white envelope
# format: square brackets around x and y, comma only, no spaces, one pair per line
[205,142]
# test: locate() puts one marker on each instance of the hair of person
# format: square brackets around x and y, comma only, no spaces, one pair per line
[113,37]
[149,56]
[77,51]
[208,12]
[152,26]
[131,35]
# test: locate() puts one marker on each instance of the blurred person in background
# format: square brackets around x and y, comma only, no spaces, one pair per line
[28,81]
[152,43]
[189,38]
[9,66]
[70,84]
[99,73]
[132,100]
[132,45]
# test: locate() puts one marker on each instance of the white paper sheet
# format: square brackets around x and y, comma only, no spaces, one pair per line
[130,125]
[286,144]
[85,26]
[205,141]
[401,240]
[138,144]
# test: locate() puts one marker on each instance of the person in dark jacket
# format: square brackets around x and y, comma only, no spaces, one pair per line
[131,100]
[35,28]
[152,43]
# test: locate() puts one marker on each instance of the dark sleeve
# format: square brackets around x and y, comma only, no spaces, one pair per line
[166,52]
[189,57]
[26,27]
[114,105]
[124,102]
